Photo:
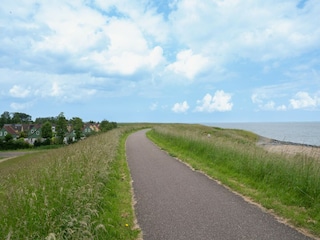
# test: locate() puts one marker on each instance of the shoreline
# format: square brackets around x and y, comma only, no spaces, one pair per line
[305,133]
[289,148]
[271,141]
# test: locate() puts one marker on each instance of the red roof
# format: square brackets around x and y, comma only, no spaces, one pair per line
[10,130]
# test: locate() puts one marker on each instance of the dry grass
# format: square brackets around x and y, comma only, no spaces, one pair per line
[294,150]
[65,193]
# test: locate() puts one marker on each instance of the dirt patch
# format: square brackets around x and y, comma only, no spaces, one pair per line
[282,147]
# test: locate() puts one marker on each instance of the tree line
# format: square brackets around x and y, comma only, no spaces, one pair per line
[60,122]
[12,118]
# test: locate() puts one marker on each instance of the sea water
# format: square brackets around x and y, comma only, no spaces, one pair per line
[297,132]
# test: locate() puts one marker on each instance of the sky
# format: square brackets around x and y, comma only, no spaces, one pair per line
[185,61]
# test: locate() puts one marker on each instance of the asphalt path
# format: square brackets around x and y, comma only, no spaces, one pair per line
[175,202]
[10,154]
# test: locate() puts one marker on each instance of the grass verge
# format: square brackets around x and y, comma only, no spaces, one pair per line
[289,185]
[82,191]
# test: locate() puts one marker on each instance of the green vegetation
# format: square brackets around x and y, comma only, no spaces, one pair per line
[83,190]
[105,125]
[61,128]
[46,131]
[80,191]
[15,117]
[290,185]
[77,124]
[13,144]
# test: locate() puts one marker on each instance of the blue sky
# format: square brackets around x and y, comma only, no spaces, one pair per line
[161,61]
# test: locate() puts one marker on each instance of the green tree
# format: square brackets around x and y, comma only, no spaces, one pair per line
[40,120]
[8,137]
[77,124]
[46,130]
[18,117]
[23,135]
[5,118]
[105,125]
[61,127]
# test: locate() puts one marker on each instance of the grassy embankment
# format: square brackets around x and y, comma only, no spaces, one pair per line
[289,185]
[82,191]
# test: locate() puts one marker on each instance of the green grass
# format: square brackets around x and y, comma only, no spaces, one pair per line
[82,191]
[290,186]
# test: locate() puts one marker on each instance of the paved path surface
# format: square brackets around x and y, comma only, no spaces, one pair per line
[174,202]
[4,156]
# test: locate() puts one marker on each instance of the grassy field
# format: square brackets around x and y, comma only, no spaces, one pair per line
[289,185]
[81,191]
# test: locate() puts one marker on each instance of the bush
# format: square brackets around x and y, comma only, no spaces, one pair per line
[14,145]
[39,142]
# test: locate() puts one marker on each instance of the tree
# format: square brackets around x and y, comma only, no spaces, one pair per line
[105,125]
[46,130]
[41,120]
[5,118]
[21,118]
[8,137]
[61,127]
[77,124]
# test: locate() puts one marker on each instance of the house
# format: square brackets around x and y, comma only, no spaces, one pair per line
[86,130]
[95,127]
[34,133]
[20,129]
[70,135]
[90,128]
[8,129]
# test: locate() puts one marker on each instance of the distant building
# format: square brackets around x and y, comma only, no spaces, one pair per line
[33,132]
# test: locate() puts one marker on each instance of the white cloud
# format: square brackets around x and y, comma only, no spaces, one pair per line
[304,100]
[86,51]
[19,91]
[53,87]
[301,100]
[55,90]
[267,98]
[220,102]
[155,57]
[154,106]
[125,36]
[58,40]
[282,108]
[188,64]
[20,106]
[180,107]
[66,31]
[271,106]
[263,30]
[147,19]
[127,51]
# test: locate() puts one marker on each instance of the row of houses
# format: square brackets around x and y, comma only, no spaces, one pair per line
[32,132]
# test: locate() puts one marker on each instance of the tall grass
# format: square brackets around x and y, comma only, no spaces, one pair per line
[288,185]
[81,191]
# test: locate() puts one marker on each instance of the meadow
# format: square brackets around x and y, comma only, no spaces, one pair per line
[83,190]
[285,185]
[80,191]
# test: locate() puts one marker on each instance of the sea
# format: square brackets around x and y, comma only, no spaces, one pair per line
[296,132]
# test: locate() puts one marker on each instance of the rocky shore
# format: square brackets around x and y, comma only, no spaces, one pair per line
[284,147]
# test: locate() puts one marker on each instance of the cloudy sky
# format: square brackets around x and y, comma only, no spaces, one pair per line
[161,61]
